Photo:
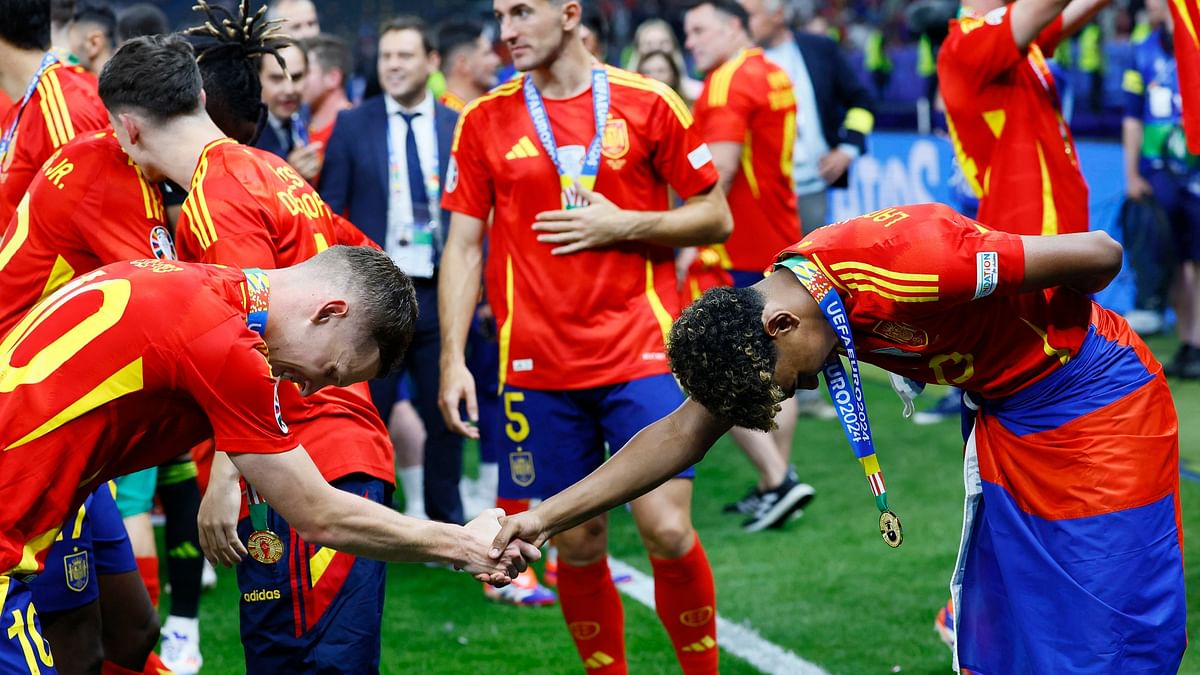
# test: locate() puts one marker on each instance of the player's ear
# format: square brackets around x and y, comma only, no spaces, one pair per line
[130,125]
[203,98]
[330,310]
[779,322]
[572,13]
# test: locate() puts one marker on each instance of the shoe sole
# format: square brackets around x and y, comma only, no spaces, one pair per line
[796,498]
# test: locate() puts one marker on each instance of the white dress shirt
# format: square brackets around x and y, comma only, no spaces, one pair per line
[415,258]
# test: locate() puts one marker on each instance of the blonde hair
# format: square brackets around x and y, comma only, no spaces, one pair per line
[676,53]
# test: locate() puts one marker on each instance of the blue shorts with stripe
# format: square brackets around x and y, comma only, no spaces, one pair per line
[22,648]
[93,541]
[316,610]
[551,439]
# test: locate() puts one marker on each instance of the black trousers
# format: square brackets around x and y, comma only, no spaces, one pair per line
[443,448]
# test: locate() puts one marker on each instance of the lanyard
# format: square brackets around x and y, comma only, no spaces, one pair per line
[591,161]
[432,181]
[48,60]
[257,290]
[847,393]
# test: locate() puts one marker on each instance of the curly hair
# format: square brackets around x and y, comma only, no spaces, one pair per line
[725,360]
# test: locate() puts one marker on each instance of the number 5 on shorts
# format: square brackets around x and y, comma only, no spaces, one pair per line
[517,426]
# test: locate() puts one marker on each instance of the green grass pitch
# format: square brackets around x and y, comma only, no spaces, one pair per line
[825,587]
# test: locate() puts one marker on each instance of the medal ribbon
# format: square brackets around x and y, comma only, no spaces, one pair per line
[256,291]
[601,102]
[48,60]
[846,392]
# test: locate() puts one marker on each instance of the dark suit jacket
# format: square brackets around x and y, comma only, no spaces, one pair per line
[354,179]
[844,103]
[268,140]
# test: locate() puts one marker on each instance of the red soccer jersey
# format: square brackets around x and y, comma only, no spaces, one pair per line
[592,318]
[65,103]
[248,208]
[749,100]
[935,296]
[452,101]
[5,104]
[87,207]
[115,372]
[1012,143]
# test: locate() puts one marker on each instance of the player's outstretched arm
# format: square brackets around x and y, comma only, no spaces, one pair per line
[1030,17]
[702,219]
[1079,13]
[648,460]
[458,293]
[323,515]
[1086,261]
[218,514]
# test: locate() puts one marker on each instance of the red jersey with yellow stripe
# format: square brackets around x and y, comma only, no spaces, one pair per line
[749,100]
[452,101]
[935,296]
[64,104]
[596,317]
[115,372]
[1013,146]
[87,207]
[248,208]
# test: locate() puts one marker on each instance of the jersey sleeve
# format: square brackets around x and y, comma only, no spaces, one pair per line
[224,223]
[681,156]
[230,380]
[1050,37]
[469,188]
[729,103]
[984,47]
[917,259]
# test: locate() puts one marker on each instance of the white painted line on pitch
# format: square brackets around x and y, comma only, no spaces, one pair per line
[735,638]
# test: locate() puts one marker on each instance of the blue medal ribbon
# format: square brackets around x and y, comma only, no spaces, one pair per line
[258,288]
[601,101]
[846,392]
[48,60]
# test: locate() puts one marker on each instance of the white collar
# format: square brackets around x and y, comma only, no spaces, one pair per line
[425,107]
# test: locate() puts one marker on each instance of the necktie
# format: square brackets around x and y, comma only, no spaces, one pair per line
[416,177]
[285,135]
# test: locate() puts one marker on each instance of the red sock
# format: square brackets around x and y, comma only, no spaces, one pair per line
[594,615]
[155,666]
[148,571]
[686,601]
[512,506]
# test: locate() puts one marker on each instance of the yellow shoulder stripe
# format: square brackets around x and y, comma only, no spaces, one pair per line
[54,109]
[664,92]
[507,89]
[722,78]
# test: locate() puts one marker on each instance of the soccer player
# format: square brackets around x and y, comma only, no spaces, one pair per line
[1071,556]
[1013,145]
[52,102]
[329,69]
[248,208]
[469,63]
[1158,167]
[115,370]
[575,158]
[747,115]
[93,34]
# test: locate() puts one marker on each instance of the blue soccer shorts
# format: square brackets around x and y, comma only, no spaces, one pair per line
[551,439]
[22,647]
[316,610]
[92,541]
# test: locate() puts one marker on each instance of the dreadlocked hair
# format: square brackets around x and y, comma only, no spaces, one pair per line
[228,51]
[725,360]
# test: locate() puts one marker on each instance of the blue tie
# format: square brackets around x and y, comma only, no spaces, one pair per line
[416,177]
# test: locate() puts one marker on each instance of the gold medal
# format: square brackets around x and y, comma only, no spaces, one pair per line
[890,529]
[265,546]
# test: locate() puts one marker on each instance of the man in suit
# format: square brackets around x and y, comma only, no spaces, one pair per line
[384,168]
[833,115]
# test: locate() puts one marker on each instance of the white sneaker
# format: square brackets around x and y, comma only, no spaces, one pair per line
[181,645]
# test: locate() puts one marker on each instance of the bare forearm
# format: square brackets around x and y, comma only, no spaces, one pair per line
[1085,262]
[358,526]
[1030,17]
[703,219]
[223,471]
[458,291]
[1079,13]
[1131,143]
[648,460]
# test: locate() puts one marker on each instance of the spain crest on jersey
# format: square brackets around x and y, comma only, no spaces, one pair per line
[520,465]
[615,142]
[76,568]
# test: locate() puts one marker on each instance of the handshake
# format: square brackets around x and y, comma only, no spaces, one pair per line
[499,547]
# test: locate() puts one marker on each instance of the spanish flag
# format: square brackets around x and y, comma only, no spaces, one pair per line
[1186,14]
